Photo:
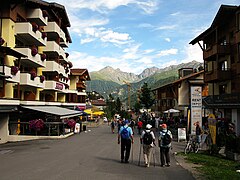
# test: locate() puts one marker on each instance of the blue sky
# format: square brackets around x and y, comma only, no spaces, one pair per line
[133,35]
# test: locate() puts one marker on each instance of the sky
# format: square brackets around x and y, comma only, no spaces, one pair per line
[133,35]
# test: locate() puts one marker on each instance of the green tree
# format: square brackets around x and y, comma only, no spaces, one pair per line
[146,96]
[111,107]
[118,105]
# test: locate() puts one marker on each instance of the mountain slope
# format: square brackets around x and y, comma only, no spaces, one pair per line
[109,80]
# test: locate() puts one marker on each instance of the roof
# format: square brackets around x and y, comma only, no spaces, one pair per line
[223,15]
[80,72]
[182,79]
[54,110]
[99,102]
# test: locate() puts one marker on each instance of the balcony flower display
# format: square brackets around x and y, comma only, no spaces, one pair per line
[45,14]
[67,54]
[33,75]
[1,41]
[44,35]
[14,70]
[70,123]
[42,78]
[43,57]
[66,79]
[34,51]
[36,124]
[66,86]
[34,27]
[66,70]
[70,65]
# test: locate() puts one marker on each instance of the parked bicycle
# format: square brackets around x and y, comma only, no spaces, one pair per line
[192,145]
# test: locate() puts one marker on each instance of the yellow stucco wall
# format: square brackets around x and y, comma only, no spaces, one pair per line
[9,90]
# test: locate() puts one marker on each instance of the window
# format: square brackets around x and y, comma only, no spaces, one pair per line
[223,65]
[223,89]
[223,41]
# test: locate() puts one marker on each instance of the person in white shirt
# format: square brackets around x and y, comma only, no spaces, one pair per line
[148,141]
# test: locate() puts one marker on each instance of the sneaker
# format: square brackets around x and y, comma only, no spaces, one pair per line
[162,165]
[126,162]
[168,165]
[148,165]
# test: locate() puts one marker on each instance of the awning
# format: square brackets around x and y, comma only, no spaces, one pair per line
[54,110]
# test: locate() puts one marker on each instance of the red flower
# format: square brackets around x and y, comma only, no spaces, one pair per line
[14,70]
[34,26]
[33,75]
[44,35]
[36,124]
[42,78]
[34,51]
[43,57]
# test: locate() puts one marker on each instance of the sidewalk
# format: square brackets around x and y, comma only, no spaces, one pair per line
[178,147]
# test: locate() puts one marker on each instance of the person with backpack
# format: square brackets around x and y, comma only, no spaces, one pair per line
[148,141]
[165,138]
[126,136]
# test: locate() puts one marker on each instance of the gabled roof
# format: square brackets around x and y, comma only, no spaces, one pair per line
[223,15]
[80,72]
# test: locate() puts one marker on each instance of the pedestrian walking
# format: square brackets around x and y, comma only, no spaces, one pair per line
[165,138]
[126,136]
[140,125]
[112,126]
[148,141]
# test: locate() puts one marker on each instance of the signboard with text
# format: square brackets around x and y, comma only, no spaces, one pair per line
[196,107]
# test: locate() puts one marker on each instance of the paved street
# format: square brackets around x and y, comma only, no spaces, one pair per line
[91,155]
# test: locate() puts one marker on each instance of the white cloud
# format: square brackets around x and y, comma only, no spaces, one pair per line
[193,52]
[87,40]
[103,6]
[167,27]
[167,52]
[114,37]
[167,39]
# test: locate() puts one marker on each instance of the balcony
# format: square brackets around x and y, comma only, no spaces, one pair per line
[53,30]
[54,85]
[216,49]
[54,49]
[52,66]
[37,16]
[24,30]
[217,75]
[237,36]
[30,60]
[81,86]
[27,81]
[10,77]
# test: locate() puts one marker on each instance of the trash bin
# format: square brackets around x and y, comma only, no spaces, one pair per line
[84,127]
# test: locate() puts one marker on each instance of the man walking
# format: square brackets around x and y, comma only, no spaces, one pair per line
[165,138]
[147,139]
[126,136]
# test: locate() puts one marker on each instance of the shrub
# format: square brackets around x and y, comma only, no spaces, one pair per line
[36,124]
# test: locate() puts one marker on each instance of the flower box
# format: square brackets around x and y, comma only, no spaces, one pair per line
[70,65]
[44,35]
[1,41]
[42,78]
[14,70]
[43,57]
[34,51]
[34,27]
[36,124]
[33,75]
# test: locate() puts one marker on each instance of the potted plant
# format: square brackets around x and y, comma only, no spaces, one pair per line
[34,26]
[44,35]
[45,13]
[43,56]
[36,124]
[33,75]
[1,41]
[14,70]
[42,78]
[70,65]
[34,51]
[66,86]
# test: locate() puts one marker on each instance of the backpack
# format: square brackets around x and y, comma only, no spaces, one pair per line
[166,139]
[147,138]
[125,134]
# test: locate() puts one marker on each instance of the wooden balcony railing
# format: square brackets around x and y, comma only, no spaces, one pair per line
[216,49]
[217,75]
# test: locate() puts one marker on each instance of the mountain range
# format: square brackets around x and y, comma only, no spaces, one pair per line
[114,81]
